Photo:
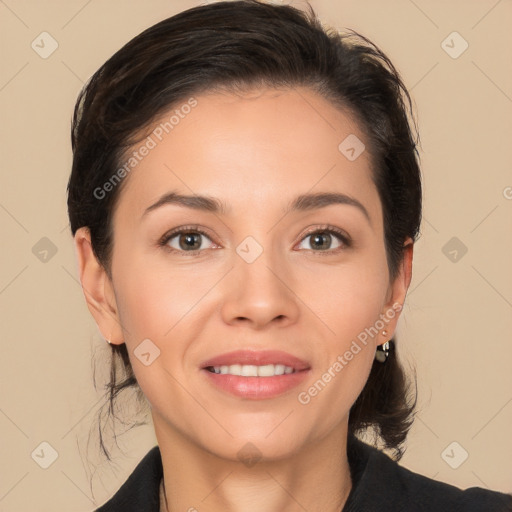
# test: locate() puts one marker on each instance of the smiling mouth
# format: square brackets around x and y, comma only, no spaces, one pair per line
[249,370]
[256,375]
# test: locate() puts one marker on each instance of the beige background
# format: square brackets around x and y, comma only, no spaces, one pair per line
[457,322]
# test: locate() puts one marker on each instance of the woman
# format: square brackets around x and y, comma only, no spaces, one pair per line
[245,197]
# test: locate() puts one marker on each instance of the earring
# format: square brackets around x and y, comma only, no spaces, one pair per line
[382,351]
[109,342]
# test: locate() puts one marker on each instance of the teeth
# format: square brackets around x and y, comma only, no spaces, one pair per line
[249,370]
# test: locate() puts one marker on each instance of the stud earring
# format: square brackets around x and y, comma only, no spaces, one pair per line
[110,343]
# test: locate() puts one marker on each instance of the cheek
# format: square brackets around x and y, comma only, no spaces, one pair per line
[349,297]
[153,297]
[157,303]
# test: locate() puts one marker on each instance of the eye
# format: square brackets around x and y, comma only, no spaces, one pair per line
[186,239]
[321,240]
[193,240]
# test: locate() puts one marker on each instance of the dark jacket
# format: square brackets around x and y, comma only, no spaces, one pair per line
[379,484]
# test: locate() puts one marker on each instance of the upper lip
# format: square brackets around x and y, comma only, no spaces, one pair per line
[257,358]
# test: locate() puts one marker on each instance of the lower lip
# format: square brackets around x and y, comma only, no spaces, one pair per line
[257,388]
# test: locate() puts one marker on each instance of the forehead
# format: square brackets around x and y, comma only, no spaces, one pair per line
[261,148]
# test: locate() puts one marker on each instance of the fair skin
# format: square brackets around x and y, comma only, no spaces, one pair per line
[256,153]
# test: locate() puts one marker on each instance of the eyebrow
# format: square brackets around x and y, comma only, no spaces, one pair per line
[304,202]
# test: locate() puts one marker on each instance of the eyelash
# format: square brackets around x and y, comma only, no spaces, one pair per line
[341,235]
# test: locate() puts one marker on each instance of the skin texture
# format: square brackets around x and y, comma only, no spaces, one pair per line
[256,152]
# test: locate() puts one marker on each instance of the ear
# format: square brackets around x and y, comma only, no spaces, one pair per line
[397,291]
[97,288]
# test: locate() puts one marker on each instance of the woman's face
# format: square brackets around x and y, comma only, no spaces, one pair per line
[263,272]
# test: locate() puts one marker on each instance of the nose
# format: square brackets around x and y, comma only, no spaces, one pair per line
[259,294]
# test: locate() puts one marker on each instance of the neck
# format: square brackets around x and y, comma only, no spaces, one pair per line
[317,478]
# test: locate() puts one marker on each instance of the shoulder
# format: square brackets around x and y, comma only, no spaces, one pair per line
[384,485]
[139,493]
[431,495]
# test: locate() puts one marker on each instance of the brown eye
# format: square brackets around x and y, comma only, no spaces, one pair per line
[323,240]
[190,241]
[186,240]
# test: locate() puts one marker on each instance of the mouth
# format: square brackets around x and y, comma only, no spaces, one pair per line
[256,375]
